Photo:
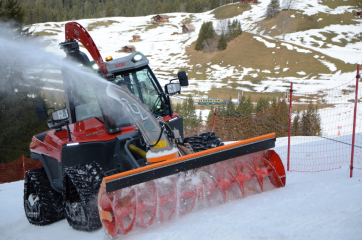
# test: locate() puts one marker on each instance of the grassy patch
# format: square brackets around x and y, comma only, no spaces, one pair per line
[47,25]
[244,51]
[226,93]
[188,20]
[44,33]
[230,11]
[100,24]
[337,3]
[156,25]
[304,22]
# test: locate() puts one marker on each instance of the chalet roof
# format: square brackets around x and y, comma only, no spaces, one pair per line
[129,46]
[163,16]
[190,26]
[136,35]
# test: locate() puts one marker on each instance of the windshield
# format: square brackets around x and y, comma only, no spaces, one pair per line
[85,103]
[141,83]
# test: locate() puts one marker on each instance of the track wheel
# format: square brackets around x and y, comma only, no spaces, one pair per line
[42,204]
[81,185]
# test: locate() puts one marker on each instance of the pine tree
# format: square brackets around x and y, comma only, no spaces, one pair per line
[230,107]
[222,45]
[13,12]
[248,107]
[109,9]
[240,108]
[296,123]
[1,10]
[280,115]
[158,8]
[261,105]
[273,9]
[311,121]
[188,112]
[206,33]
[214,4]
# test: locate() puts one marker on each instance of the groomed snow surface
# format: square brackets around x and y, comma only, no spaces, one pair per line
[322,205]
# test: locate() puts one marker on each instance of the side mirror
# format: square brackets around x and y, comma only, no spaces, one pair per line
[173,88]
[60,115]
[41,111]
[59,119]
[184,80]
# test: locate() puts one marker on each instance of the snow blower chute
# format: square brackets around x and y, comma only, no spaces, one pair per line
[120,142]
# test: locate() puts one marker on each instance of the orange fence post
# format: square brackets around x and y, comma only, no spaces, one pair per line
[354,120]
[23,165]
[290,122]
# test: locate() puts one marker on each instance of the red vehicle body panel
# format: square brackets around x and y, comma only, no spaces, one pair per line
[168,118]
[89,130]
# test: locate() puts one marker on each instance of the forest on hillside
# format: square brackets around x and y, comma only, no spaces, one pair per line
[37,11]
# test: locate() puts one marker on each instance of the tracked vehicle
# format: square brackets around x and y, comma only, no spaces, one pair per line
[116,156]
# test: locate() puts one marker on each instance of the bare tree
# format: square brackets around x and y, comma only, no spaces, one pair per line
[359,3]
[263,28]
[222,26]
[209,45]
[288,4]
[284,23]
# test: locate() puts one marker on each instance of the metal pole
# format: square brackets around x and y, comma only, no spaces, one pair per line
[290,121]
[354,121]
[213,122]
[23,165]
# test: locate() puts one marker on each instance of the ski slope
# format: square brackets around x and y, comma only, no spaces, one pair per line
[323,205]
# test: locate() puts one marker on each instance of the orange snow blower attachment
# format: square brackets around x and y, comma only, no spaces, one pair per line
[175,187]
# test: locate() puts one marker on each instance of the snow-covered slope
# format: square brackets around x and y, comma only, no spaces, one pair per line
[167,51]
[323,205]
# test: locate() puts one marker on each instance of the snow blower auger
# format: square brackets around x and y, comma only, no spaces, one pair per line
[119,141]
[175,187]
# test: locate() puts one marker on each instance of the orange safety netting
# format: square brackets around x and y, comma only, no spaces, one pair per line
[321,128]
[15,170]
[332,110]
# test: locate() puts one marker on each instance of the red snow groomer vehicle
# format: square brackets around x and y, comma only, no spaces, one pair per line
[116,156]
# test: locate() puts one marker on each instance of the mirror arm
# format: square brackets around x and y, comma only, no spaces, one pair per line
[173,79]
[169,105]
[68,130]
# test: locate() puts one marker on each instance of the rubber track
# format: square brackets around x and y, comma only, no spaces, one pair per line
[204,141]
[50,201]
[83,185]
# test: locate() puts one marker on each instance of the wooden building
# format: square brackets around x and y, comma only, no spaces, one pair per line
[358,14]
[249,1]
[129,49]
[188,28]
[136,37]
[160,19]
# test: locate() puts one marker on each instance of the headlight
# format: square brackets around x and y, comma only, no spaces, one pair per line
[137,58]
[95,66]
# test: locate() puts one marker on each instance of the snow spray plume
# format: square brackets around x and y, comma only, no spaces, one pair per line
[47,71]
